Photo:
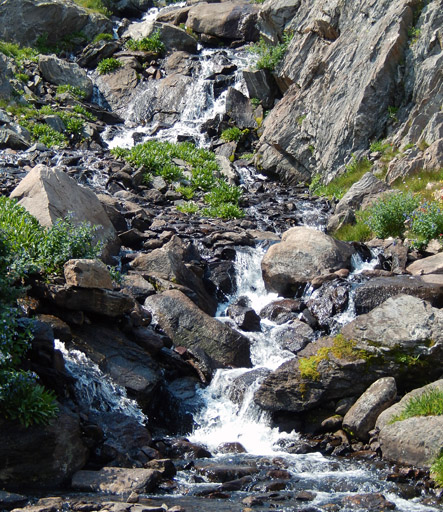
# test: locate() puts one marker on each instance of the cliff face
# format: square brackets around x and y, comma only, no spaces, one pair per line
[355,72]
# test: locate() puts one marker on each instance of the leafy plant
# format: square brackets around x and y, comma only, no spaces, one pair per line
[232,134]
[46,135]
[152,43]
[103,37]
[437,470]
[270,55]
[379,146]
[95,5]
[388,215]
[79,109]
[106,66]
[23,77]
[77,92]
[18,53]
[425,223]
[186,191]
[190,208]
[224,211]
[222,192]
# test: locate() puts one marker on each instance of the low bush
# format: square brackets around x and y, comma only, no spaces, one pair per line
[223,211]
[223,193]
[232,134]
[106,66]
[103,37]
[99,6]
[437,470]
[269,55]
[77,92]
[388,215]
[153,43]
[425,223]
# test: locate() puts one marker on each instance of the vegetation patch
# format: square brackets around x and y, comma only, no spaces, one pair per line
[338,187]
[99,6]
[437,470]
[198,174]
[106,66]
[233,134]
[429,403]
[103,36]
[76,92]
[269,55]
[152,43]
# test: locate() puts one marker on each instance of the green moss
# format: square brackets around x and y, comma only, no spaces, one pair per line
[308,366]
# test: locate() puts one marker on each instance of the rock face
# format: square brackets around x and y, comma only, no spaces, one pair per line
[302,255]
[41,456]
[227,20]
[393,340]
[361,417]
[326,47]
[23,21]
[430,265]
[50,194]
[59,72]
[6,74]
[190,327]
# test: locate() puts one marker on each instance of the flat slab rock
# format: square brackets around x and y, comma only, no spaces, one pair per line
[116,480]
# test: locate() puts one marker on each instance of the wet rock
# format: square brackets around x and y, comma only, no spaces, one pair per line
[24,21]
[305,496]
[361,417]
[183,448]
[169,263]
[374,502]
[302,255]
[11,139]
[9,500]
[327,301]
[221,275]
[372,293]
[294,336]
[281,311]
[225,473]
[245,318]
[49,194]
[116,480]
[127,363]
[95,52]
[87,274]
[241,385]
[59,72]
[60,329]
[41,456]
[239,109]
[164,466]
[231,448]
[228,20]
[261,85]
[187,325]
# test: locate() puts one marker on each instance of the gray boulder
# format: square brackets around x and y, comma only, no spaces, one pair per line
[359,196]
[429,265]
[234,21]
[175,38]
[239,109]
[261,85]
[60,72]
[116,480]
[375,291]
[41,456]
[50,194]
[302,255]
[87,274]
[168,263]
[361,417]
[190,327]
[6,75]
[23,21]
[10,139]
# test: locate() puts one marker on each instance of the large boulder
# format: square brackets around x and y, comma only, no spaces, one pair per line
[50,194]
[302,255]
[169,263]
[60,72]
[361,417]
[402,338]
[41,456]
[189,326]
[375,291]
[23,21]
[87,274]
[116,480]
[429,265]
[175,38]
[326,49]
[233,21]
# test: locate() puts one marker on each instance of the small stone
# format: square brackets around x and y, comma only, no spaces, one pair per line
[133,497]
[305,496]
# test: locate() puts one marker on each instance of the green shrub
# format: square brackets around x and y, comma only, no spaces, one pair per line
[153,43]
[338,187]
[38,249]
[222,192]
[425,223]
[46,135]
[270,55]
[103,37]
[99,6]
[190,208]
[429,403]
[79,109]
[23,77]
[388,215]
[186,191]
[109,65]
[224,211]
[437,470]
[77,92]
[18,53]
[21,397]
[232,134]
[379,146]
